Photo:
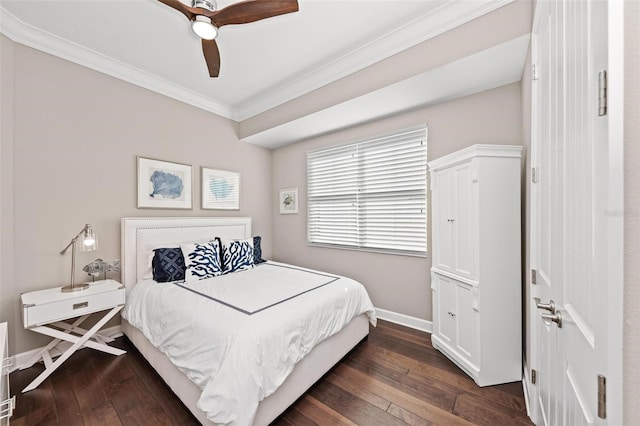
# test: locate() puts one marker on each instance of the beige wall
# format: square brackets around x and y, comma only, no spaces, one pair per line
[76,134]
[632,214]
[396,283]
[7,305]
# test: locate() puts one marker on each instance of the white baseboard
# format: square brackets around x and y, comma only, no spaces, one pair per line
[20,360]
[406,320]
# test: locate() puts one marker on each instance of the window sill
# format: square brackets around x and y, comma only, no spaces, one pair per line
[368,250]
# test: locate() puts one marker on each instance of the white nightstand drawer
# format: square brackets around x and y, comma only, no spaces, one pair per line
[66,305]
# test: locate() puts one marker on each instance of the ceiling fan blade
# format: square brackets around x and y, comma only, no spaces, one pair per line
[187,11]
[251,11]
[211,56]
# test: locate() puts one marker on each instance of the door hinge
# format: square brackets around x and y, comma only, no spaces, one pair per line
[602,396]
[534,276]
[602,93]
[534,376]
[534,72]
[534,175]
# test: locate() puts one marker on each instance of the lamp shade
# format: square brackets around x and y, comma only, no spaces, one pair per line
[89,240]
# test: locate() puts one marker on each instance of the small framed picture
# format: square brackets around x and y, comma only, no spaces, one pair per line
[220,189]
[163,184]
[289,201]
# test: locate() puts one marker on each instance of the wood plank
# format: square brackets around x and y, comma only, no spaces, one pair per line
[43,416]
[351,407]
[168,401]
[294,417]
[410,403]
[67,407]
[414,351]
[407,416]
[484,412]
[444,368]
[134,405]
[437,393]
[358,391]
[87,388]
[40,398]
[408,334]
[320,413]
[102,415]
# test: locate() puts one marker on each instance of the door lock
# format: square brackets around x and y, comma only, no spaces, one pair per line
[549,318]
[551,306]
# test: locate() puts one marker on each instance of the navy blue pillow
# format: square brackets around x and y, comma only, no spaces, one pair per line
[257,250]
[168,265]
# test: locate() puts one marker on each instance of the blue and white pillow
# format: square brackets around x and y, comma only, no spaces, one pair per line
[168,264]
[202,260]
[237,255]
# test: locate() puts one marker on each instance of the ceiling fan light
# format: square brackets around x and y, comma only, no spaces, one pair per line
[203,28]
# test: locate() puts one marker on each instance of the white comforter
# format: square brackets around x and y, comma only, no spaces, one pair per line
[237,359]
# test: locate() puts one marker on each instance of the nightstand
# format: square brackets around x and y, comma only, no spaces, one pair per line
[45,308]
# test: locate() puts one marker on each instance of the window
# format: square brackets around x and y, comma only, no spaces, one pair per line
[371,194]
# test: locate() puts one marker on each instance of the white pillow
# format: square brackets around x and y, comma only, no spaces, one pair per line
[202,260]
[237,255]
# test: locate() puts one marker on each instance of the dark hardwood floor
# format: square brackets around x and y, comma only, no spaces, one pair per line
[394,378]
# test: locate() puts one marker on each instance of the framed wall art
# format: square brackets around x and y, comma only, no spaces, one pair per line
[220,189]
[164,184]
[288,201]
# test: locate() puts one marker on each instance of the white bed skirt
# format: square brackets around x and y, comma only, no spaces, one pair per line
[312,367]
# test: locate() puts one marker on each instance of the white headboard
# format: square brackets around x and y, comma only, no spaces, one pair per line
[141,234]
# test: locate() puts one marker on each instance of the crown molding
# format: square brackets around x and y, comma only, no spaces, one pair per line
[28,35]
[446,17]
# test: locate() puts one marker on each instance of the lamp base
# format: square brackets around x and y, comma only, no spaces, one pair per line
[76,287]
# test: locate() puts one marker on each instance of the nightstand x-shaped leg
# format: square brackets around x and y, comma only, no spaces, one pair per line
[78,342]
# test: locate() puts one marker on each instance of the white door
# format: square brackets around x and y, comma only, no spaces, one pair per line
[545,202]
[572,232]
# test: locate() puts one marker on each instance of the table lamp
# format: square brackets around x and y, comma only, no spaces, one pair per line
[89,243]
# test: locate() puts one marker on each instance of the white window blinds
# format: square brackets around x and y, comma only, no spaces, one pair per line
[370,194]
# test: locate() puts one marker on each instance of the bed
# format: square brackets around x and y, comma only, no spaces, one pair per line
[319,354]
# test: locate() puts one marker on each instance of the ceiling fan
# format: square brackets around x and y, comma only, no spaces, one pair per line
[205,20]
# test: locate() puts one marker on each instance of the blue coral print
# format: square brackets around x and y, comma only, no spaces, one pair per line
[204,261]
[166,185]
[237,256]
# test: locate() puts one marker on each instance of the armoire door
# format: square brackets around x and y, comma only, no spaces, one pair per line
[443,214]
[445,310]
[575,240]
[463,211]
[454,233]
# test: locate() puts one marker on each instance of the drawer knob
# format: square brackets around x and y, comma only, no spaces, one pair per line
[80,305]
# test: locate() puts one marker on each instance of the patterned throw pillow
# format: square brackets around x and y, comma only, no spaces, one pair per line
[202,260]
[237,255]
[168,265]
[257,250]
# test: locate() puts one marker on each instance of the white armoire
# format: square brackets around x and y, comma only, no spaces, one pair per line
[476,278]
